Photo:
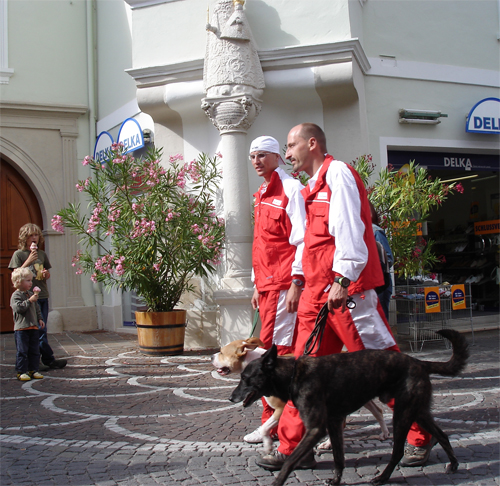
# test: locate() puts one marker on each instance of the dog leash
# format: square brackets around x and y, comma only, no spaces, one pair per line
[314,340]
[255,320]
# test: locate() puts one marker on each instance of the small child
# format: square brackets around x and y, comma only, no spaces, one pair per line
[30,256]
[27,319]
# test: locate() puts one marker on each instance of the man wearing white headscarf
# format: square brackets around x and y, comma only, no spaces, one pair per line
[276,254]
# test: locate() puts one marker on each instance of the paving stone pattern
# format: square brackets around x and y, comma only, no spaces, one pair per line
[114,416]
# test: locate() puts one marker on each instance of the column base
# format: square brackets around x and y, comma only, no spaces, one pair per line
[236,313]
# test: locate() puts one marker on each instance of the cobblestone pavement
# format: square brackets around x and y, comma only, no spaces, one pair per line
[116,417]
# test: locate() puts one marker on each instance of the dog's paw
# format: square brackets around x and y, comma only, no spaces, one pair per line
[384,435]
[451,468]
[326,445]
[378,480]
[335,480]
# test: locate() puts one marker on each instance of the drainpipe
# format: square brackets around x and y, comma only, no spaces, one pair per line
[92,102]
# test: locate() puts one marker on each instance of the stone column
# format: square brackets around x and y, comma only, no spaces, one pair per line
[73,281]
[234,83]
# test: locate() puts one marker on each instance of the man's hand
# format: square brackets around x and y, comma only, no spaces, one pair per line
[292,298]
[41,324]
[255,299]
[337,297]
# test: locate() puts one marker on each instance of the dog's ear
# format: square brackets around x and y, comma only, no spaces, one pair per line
[245,346]
[241,351]
[255,342]
[249,345]
[269,358]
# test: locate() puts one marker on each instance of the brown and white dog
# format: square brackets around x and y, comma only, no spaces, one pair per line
[234,357]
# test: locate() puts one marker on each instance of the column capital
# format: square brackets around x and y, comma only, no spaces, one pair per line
[231,114]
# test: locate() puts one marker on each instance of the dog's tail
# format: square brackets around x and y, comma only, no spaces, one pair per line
[458,360]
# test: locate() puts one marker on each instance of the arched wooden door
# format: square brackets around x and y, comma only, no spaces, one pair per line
[19,206]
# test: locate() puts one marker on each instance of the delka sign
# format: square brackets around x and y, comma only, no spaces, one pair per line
[484,117]
[131,135]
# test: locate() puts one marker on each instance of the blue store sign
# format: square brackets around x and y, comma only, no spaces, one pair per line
[484,117]
[102,147]
[130,135]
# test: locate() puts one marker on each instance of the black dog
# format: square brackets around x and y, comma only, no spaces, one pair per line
[327,389]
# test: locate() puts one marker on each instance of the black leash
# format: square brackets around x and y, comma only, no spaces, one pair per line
[314,340]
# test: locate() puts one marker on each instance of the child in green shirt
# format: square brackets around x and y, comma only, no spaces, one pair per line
[27,320]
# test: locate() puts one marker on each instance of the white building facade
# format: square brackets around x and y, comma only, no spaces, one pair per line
[348,65]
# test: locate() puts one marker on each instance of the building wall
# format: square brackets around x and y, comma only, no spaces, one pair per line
[47,50]
[113,39]
[84,66]
[444,32]
[45,128]
[444,58]
[347,65]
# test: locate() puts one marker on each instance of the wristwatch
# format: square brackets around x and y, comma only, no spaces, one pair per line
[343,281]
[297,282]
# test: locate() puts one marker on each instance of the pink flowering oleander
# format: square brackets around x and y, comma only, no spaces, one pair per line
[82,187]
[175,158]
[57,224]
[139,223]
[94,219]
[76,258]
[136,208]
[143,228]
[114,215]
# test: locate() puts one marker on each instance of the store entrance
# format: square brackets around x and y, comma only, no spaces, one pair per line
[465,228]
[467,235]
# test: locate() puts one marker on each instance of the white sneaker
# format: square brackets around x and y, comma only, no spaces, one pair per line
[254,438]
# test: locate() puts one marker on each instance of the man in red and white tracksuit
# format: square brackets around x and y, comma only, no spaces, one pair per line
[340,258]
[276,255]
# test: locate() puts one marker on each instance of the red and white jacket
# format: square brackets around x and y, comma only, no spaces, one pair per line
[278,233]
[339,239]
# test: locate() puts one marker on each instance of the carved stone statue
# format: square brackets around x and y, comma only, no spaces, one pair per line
[232,76]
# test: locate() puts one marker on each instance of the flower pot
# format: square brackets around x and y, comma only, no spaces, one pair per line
[161,333]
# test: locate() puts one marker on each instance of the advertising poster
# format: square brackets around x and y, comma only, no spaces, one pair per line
[458,297]
[432,300]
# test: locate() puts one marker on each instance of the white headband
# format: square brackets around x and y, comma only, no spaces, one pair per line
[268,144]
